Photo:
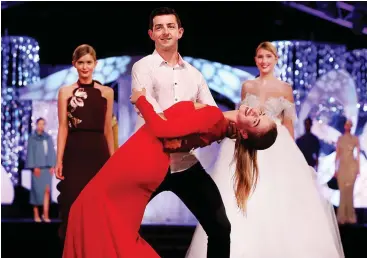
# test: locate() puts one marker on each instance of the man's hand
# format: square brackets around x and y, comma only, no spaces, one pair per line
[232,130]
[162,116]
[172,144]
[199,105]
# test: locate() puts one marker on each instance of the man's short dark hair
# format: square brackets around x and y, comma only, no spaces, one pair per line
[163,11]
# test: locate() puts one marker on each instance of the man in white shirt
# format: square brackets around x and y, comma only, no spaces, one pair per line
[169,79]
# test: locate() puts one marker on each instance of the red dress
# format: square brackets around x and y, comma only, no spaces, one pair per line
[105,218]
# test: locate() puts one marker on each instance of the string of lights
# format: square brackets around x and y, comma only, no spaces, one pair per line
[20,67]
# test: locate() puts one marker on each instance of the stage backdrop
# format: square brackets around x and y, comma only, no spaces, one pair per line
[314,94]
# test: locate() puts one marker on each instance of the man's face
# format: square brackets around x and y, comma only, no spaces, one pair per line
[165,32]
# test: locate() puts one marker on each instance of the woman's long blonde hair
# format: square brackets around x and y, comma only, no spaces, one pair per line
[245,156]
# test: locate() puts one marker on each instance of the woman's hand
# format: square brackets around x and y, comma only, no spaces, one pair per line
[58,171]
[37,172]
[136,94]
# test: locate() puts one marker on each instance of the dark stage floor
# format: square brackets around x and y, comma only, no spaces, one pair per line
[22,238]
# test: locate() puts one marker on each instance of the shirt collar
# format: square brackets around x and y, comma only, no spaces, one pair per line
[158,60]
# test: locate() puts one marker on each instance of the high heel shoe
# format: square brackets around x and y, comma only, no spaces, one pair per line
[46,220]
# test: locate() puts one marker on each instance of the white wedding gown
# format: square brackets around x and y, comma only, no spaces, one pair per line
[287,217]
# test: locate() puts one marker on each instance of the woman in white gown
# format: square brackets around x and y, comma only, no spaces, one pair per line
[286,215]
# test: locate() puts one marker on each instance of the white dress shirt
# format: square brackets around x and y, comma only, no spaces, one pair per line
[166,85]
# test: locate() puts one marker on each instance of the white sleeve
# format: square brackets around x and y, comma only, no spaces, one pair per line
[204,95]
[141,78]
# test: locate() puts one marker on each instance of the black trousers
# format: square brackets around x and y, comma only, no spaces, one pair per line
[200,194]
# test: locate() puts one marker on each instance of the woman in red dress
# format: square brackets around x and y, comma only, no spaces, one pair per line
[105,218]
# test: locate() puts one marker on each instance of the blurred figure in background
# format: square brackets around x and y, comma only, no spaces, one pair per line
[347,169]
[309,144]
[41,159]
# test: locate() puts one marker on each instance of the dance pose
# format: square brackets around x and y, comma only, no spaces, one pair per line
[286,216]
[169,79]
[105,219]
